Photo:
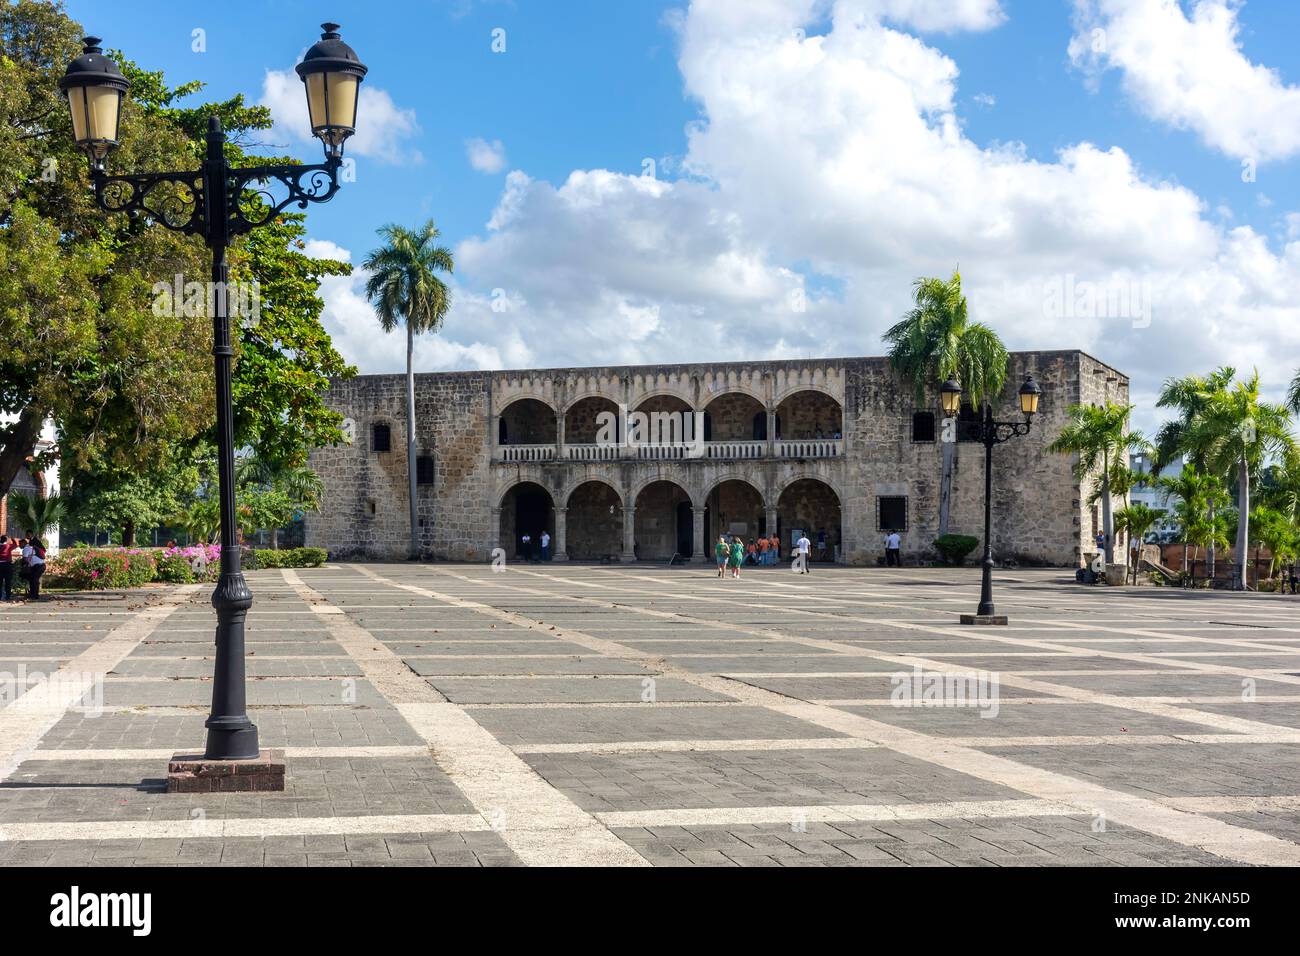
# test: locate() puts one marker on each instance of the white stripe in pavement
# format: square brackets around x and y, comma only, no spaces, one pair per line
[165,753]
[211,828]
[26,720]
[1189,829]
[539,823]
[854,813]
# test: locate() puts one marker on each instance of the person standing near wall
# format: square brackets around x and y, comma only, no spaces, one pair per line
[6,568]
[546,546]
[893,553]
[34,556]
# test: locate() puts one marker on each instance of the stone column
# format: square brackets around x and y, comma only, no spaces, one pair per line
[559,437]
[559,547]
[494,536]
[701,546]
[771,433]
[629,534]
[771,522]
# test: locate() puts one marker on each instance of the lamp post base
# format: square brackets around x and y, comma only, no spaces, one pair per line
[984,619]
[194,773]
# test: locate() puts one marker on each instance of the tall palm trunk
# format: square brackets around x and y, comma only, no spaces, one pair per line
[945,486]
[410,440]
[1107,524]
[1209,549]
[1243,523]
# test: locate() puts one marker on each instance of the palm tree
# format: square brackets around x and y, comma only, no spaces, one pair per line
[1136,520]
[35,512]
[1293,394]
[405,288]
[1277,532]
[301,487]
[1099,435]
[1195,492]
[1237,432]
[1189,396]
[936,341]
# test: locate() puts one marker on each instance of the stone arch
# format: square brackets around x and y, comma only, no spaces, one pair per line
[815,505]
[526,421]
[730,415]
[663,523]
[525,507]
[734,505]
[581,419]
[809,413]
[593,520]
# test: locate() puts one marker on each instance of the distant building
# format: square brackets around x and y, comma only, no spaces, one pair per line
[30,481]
[833,445]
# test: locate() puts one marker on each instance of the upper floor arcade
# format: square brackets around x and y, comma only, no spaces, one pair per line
[730,411]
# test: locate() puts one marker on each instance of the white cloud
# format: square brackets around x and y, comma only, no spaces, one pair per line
[352,325]
[382,127]
[1190,72]
[834,167]
[486,157]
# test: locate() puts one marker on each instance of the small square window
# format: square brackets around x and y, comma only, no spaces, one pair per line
[923,426]
[381,438]
[424,470]
[891,513]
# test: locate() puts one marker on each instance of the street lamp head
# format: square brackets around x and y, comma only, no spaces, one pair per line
[94,87]
[1030,393]
[950,396]
[332,75]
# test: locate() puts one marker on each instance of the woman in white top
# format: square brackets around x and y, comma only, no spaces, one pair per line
[34,558]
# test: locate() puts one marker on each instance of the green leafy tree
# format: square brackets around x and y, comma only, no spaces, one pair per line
[1279,533]
[1099,435]
[81,343]
[406,289]
[936,341]
[1237,432]
[129,503]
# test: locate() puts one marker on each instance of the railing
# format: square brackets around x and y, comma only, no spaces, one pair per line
[810,448]
[526,452]
[667,452]
[735,449]
[591,452]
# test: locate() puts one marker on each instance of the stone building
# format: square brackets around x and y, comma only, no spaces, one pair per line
[836,447]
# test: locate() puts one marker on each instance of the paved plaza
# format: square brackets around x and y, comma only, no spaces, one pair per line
[573,714]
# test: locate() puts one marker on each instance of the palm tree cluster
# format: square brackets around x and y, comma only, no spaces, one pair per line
[1230,438]
[1232,443]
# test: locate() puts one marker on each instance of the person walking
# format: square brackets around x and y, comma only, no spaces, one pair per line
[801,549]
[6,568]
[737,556]
[722,552]
[34,555]
[893,554]
[546,546]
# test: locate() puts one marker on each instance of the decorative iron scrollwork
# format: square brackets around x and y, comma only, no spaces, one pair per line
[174,200]
[254,203]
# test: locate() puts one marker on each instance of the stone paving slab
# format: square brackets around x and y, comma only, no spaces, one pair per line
[544,670]
[704,778]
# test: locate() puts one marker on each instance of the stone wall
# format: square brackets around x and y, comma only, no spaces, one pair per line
[1040,508]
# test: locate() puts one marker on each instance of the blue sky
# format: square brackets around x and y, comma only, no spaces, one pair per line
[837,148]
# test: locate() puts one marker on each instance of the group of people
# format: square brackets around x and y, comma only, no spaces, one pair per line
[529,547]
[732,552]
[25,559]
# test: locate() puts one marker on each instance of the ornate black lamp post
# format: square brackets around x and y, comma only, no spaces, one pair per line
[991,433]
[219,202]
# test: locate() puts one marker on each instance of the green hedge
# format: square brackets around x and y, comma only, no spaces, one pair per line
[286,558]
[953,548]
